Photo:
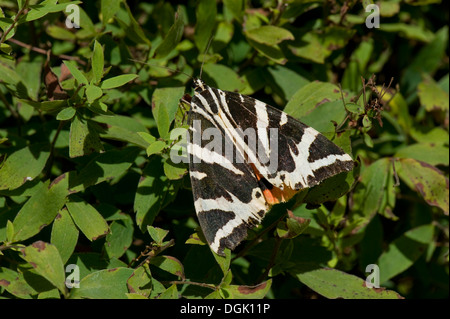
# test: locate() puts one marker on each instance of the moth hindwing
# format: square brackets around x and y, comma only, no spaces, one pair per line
[245,156]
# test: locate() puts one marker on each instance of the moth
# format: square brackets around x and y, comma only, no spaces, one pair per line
[252,157]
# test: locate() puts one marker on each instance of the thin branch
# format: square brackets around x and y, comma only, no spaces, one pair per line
[45,52]
[5,34]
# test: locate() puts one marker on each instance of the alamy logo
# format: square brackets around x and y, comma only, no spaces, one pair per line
[73,18]
[73,279]
[373,19]
[373,280]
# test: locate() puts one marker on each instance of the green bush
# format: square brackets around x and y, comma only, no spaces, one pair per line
[88,114]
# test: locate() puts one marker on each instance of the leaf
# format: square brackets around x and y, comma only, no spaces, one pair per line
[172,38]
[122,128]
[223,261]
[170,293]
[105,166]
[174,171]
[432,96]
[84,139]
[60,33]
[169,264]
[87,218]
[120,237]
[140,282]
[42,207]
[47,262]
[37,11]
[404,251]
[97,62]
[64,234]
[66,114]
[427,180]
[106,283]
[247,292]
[23,165]
[332,283]
[164,106]
[14,283]
[108,9]
[369,192]
[269,35]
[431,153]
[93,93]
[157,234]
[236,7]
[152,189]
[117,81]
[222,77]
[155,148]
[205,13]
[310,96]
[81,79]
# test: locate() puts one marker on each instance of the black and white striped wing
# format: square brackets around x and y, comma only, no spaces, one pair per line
[233,190]
[227,197]
[299,157]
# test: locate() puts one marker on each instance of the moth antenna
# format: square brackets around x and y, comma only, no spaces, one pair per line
[206,51]
[163,67]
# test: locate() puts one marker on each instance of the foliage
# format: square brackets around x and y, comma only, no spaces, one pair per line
[86,132]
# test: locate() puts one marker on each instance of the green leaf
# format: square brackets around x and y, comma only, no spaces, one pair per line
[432,96]
[93,92]
[60,33]
[222,77]
[431,153]
[310,96]
[120,237]
[37,11]
[170,293]
[14,283]
[87,218]
[64,234]
[97,62]
[205,12]
[236,7]
[122,128]
[332,283]
[247,292]
[269,35]
[40,210]
[66,114]
[81,79]
[155,148]
[117,81]
[157,234]
[409,31]
[108,9]
[404,251]
[105,166]
[172,38]
[165,103]
[47,262]
[174,171]
[427,180]
[223,261]
[84,138]
[23,165]
[140,282]
[169,264]
[106,283]
[152,189]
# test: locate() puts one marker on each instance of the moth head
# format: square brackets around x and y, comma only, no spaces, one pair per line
[198,86]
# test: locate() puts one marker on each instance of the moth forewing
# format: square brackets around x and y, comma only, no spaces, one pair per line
[272,157]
